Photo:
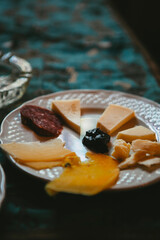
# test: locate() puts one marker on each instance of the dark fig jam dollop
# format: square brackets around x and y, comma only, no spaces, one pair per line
[96,140]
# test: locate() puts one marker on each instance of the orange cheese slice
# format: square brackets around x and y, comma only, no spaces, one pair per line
[138,132]
[69,110]
[88,178]
[114,117]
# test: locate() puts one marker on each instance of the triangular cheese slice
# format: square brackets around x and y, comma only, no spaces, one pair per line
[114,117]
[69,110]
[138,132]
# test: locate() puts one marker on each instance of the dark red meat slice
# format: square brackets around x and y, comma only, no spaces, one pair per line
[42,121]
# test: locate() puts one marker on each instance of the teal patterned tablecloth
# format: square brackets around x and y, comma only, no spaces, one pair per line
[74,44]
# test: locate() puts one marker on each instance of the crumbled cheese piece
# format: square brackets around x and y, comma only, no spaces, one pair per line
[121,149]
[133,159]
[143,149]
[153,148]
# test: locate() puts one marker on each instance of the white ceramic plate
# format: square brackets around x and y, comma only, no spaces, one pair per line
[2,185]
[93,104]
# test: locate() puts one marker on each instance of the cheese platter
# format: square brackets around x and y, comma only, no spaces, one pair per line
[93,104]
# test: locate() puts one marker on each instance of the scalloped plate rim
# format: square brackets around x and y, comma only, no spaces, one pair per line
[94,91]
[2,185]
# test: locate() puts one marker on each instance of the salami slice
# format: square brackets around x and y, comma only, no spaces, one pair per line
[42,121]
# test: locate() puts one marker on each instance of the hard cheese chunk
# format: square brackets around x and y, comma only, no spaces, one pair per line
[88,178]
[138,132]
[69,110]
[114,117]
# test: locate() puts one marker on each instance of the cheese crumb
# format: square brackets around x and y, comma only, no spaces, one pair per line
[121,149]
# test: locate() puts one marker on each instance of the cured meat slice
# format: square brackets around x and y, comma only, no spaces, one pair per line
[42,121]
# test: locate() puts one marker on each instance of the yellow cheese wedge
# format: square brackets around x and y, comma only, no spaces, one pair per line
[121,149]
[69,110]
[51,150]
[138,132]
[88,178]
[114,117]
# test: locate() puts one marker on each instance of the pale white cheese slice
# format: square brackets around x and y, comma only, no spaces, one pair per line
[70,112]
[51,150]
[150,162]
[152,148]
[133,159]
[138,132]
[114,117]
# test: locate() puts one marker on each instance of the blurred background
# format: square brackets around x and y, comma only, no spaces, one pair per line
[68,43]
[142,17]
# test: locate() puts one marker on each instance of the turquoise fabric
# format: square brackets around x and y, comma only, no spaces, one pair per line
[70,44]
[55,36]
